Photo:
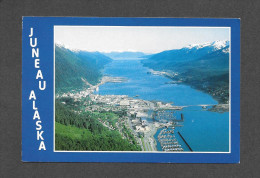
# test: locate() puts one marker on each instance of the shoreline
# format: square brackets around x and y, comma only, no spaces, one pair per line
[136,110]
[115,103]
[220,107]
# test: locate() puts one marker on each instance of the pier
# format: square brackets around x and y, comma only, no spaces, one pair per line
[185,141]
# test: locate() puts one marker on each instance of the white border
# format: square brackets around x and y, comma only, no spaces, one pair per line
[183,152]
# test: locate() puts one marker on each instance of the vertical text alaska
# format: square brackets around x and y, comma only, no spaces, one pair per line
[42,86]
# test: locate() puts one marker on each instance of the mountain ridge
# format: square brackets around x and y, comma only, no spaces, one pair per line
[202,66]
[124,55]
[72,67]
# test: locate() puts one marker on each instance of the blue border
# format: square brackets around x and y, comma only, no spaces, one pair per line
[43,28]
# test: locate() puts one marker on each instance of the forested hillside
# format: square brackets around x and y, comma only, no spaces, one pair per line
[71,67]
[83,131]
[75,128]
[204,67]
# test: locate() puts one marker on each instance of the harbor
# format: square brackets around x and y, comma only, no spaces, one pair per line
[153,113]
[195,106]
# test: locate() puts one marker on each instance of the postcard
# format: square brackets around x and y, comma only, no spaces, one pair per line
[159,90]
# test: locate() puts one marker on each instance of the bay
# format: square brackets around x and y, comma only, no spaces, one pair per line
[203,130]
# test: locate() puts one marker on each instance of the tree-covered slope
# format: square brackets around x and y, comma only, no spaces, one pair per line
[205,67]
[83,131]
[71,67]
[171,58]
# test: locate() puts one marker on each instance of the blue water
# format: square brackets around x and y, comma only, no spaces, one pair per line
[203,130]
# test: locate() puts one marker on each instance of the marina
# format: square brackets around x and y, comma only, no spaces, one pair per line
[168,140]
[159,89]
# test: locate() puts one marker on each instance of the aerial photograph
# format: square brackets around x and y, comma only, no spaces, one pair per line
[142,89]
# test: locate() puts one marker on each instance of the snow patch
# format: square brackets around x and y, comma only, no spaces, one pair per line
[220,44]
[216,44]
[59,44]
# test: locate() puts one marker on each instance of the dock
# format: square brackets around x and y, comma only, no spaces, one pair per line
[168,141]
[185,141]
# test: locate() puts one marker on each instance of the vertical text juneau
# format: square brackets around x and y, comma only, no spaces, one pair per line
[42,86]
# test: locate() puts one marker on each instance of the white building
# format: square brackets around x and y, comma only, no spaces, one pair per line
[124,103]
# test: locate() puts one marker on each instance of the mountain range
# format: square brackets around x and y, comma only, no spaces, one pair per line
[124,55]
[203,66]
[192,52]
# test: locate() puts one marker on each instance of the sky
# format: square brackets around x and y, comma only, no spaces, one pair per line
[137,38]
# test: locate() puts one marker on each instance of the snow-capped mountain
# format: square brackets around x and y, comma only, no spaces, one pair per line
[220,44]
[216,45]
[203,66]
[191,52]
[61,45]
[213,54]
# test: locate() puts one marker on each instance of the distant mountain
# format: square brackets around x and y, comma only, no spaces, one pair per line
[124,55]
[192,52]
[74,70]
[203,66]
[147,56]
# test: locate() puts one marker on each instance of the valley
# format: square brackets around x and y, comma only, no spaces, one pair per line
[137,104]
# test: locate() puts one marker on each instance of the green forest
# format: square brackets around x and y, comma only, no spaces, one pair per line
[81,131]
[76,129]
[71,68]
